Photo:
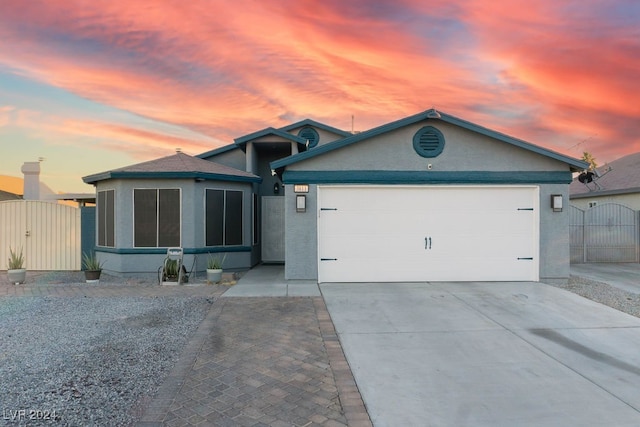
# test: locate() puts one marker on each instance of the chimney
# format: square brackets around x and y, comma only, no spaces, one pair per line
[31,171]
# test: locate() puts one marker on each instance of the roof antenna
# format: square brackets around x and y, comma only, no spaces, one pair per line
[352,124]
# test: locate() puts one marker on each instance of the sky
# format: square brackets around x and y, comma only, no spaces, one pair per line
[94,85]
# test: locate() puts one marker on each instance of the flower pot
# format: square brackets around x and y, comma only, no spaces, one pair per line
[18,275]
[214,275]
[92,275]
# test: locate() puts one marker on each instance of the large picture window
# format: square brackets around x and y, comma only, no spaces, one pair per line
[105,209]
[223,212]
[156,218]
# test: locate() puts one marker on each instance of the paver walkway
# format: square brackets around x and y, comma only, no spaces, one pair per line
[254,361]
[261,362]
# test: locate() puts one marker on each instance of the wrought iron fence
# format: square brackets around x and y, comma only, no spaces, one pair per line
[607,232]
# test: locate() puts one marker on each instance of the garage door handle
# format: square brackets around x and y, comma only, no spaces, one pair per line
[328,259]
[427,242]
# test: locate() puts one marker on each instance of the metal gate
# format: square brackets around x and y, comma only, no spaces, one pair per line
[607,232]
[48,234]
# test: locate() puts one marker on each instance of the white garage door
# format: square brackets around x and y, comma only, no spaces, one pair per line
[427,233]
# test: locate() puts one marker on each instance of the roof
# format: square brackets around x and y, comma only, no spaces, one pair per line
[217,151]
[313,123]
[179,165]
[5,195]
[269,131]
[623,178]
[575,164]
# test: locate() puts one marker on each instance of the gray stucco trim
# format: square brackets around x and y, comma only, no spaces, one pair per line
[576,165]
[148,251]
[424,177]
[170,175]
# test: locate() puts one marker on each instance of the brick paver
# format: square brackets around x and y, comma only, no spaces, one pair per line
[252,361]
[261,362]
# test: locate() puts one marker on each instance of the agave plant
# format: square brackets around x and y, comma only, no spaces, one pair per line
[16,259]
[91,262]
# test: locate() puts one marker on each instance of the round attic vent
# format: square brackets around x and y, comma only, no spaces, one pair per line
[428,142]
[309,134]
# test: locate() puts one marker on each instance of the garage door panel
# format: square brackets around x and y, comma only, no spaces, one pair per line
[428,233]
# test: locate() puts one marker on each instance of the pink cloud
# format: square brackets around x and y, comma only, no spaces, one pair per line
[225,69]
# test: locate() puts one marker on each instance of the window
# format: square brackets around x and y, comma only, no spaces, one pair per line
[428,142]
[310,135]
[156,218]
[223,213]
[105,209]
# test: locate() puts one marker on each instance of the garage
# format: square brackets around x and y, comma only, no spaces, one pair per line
[396,233]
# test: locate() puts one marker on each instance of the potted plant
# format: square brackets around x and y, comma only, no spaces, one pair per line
[92,267]
[16,271]
[214,268]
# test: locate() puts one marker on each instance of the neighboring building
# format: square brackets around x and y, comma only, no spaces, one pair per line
[5,195]
[427,198]
[616,182]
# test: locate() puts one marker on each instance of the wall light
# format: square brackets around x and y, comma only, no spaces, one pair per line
[301,203]
[556,202]
[276,188]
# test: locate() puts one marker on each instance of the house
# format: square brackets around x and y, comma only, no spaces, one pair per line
[616,182]
[430,197]
[6,195]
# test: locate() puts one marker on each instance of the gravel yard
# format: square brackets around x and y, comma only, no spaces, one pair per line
[89,360]
[97,360]
[627,302]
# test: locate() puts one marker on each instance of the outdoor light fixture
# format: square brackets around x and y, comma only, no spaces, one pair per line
[301,188]
[301,203]
[276,188]
[556,202]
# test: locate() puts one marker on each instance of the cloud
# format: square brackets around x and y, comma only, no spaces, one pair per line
[553,73]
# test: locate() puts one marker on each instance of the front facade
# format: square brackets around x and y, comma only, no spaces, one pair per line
[426,198]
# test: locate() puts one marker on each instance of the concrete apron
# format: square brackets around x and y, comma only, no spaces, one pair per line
[494,354]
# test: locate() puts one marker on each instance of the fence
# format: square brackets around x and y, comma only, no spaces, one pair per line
[48,233]
[607,232]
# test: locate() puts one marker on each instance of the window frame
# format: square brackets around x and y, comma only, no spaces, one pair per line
[102,213]
[224,217]
[158,216]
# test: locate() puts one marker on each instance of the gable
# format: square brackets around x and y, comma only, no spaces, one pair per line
[467,148]
[306,129]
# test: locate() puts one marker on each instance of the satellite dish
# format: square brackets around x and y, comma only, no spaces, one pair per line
[586,177]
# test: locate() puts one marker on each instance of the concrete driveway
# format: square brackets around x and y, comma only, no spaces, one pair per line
[487,354]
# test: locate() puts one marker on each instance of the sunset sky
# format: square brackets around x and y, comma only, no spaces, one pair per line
[93,85]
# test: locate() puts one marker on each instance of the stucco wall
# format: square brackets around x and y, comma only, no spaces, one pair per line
[464,151]
[234,158]
[121,261]
[554,235]
[301,236]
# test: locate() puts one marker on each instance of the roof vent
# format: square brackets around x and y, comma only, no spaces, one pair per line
[428,142]
[310,135]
